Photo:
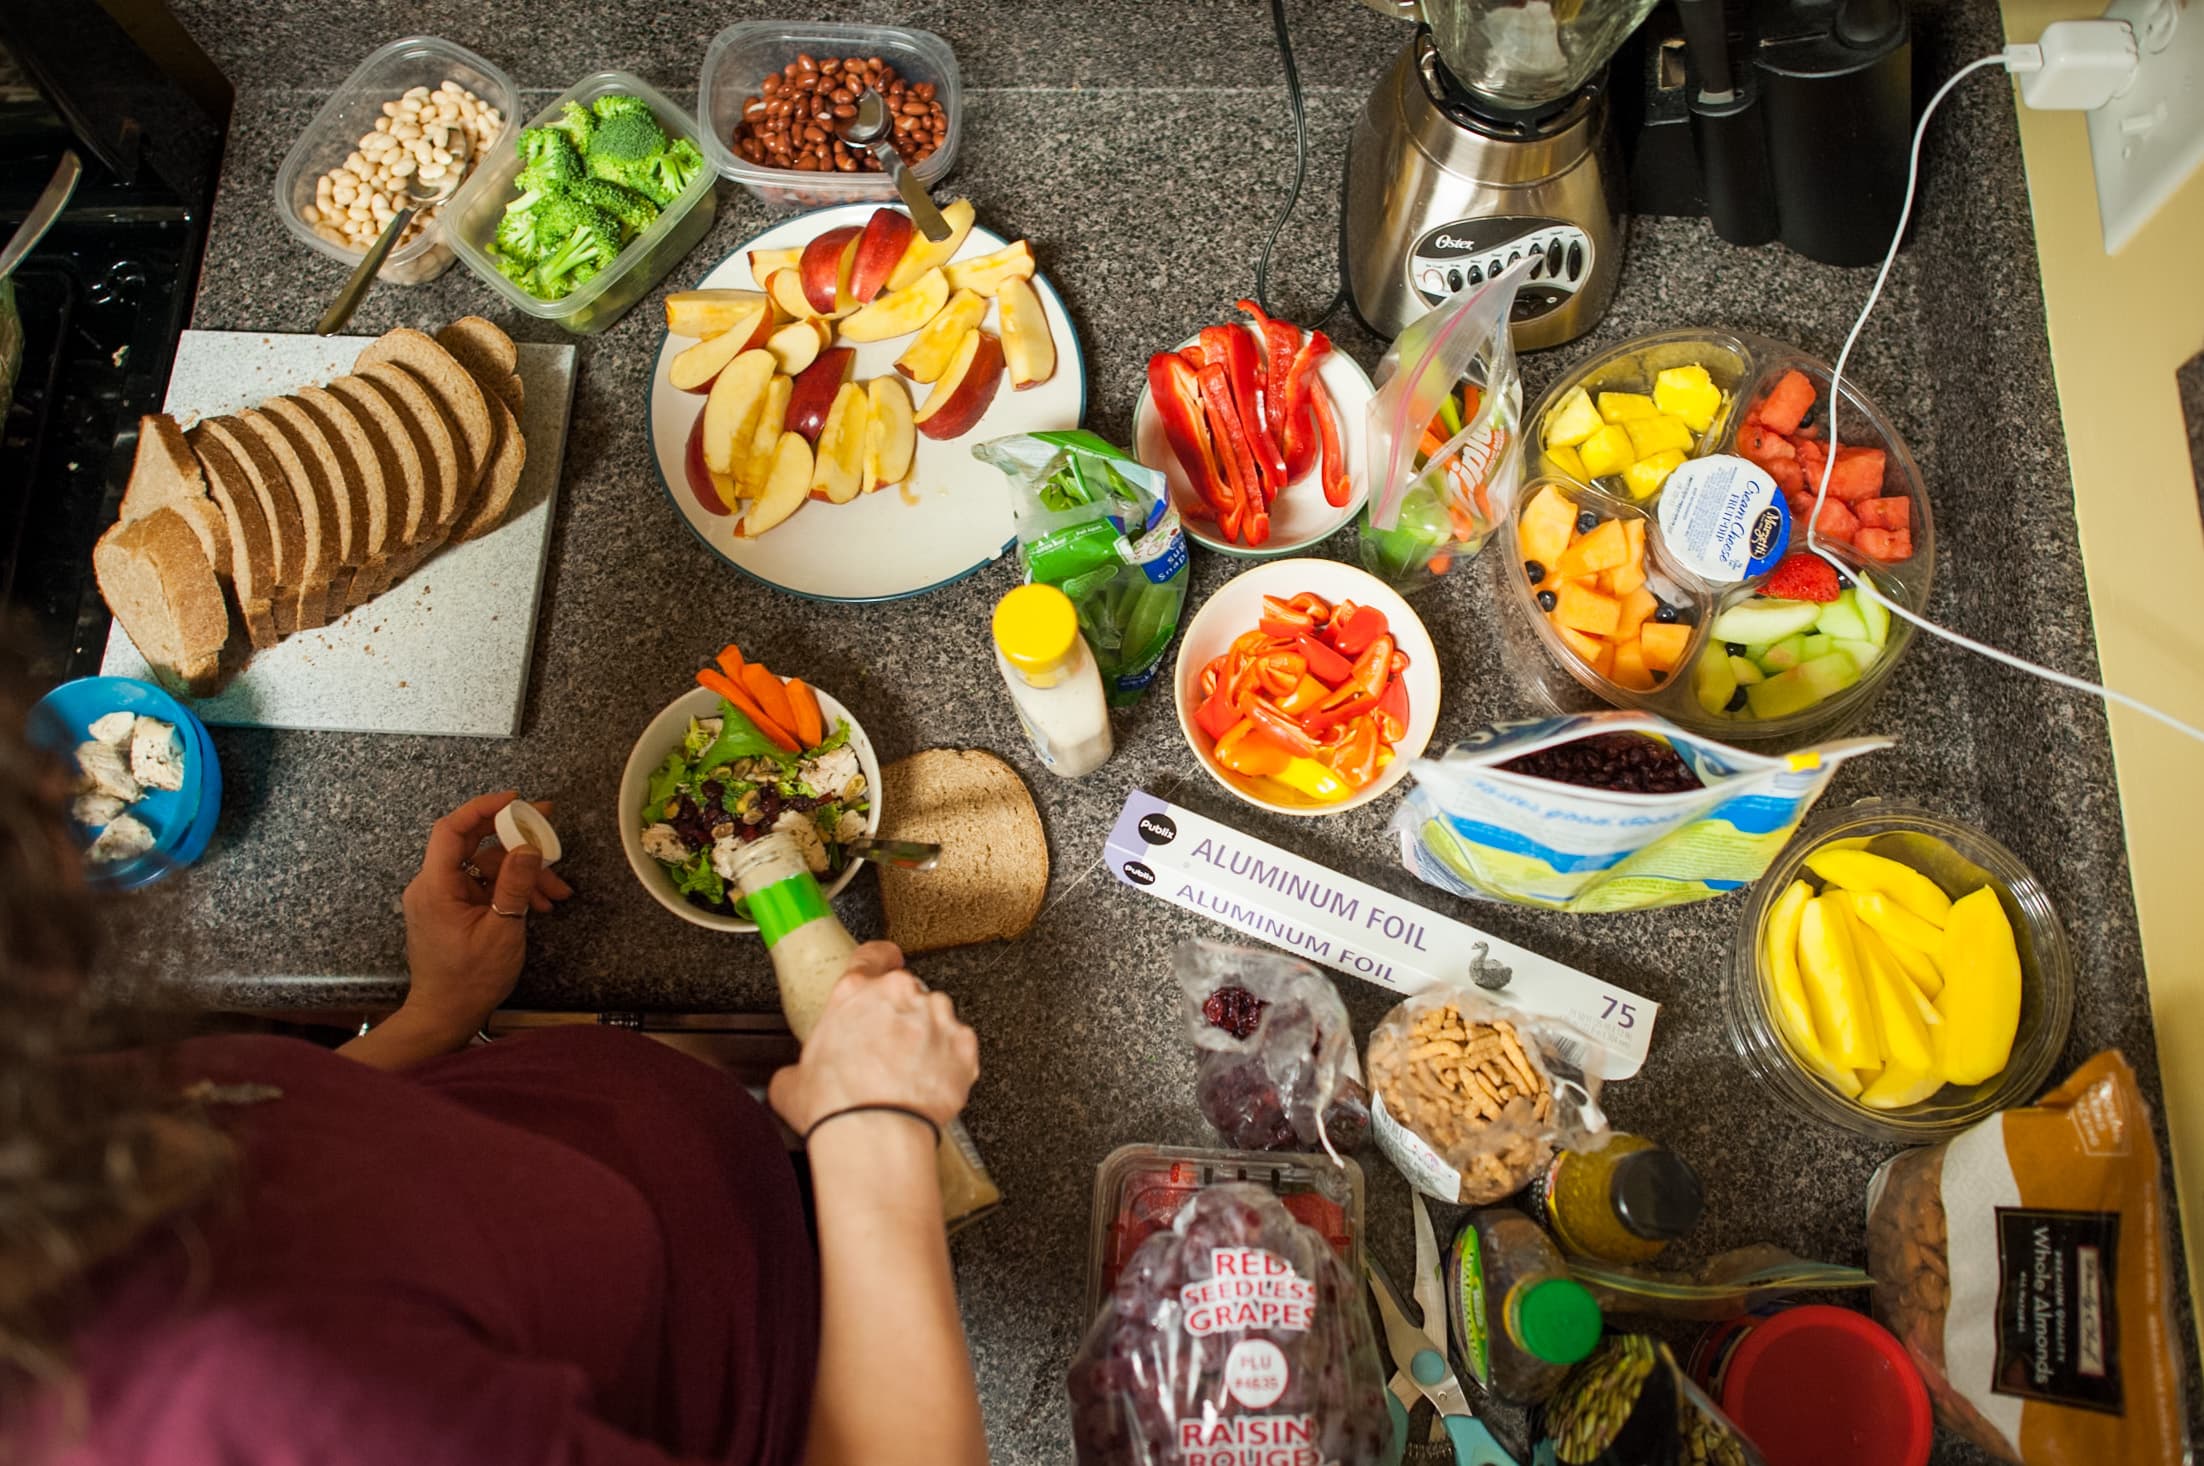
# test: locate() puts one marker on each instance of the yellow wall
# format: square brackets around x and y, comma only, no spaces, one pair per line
[2120,328]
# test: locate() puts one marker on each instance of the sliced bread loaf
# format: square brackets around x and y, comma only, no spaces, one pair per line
[452,388]
[433,440]
[362,468]
[317,506]
[993,872]
[278,506]
[405,482]
[494,496]
[165,475]
[252,541]
[344,501]
[481,347]
[157,580]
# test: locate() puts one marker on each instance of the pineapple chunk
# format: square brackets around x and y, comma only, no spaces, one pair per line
[1625,406]
[1645,477]
[1689,393]
[1568,461]
[1607,451]
[1651,435]
[1573,420]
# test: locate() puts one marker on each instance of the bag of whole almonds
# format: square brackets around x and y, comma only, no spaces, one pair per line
[2025,1264]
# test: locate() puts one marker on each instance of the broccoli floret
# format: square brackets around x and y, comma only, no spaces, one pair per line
[613,104]
[634,211]
[624,140]
[588,240]
[671,171]
[578,123]
[519,231]
[548,156]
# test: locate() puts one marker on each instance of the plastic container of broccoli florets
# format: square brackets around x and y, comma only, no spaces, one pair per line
[470,219]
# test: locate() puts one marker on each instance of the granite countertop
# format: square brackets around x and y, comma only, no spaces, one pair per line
[1143,148]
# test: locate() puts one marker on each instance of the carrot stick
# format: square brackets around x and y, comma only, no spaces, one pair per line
[766,688]
[712,681]
[804,703]
[730,661]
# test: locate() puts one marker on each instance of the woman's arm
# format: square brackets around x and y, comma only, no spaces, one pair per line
[464,938]
[883,1251]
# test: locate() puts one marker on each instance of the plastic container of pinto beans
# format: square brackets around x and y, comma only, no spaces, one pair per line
[1817,1385]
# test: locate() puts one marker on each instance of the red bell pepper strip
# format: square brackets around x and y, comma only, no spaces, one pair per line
[1314,604]
[1392,710]
[1234,454]
[1278,728]
[1338,488]
[1244,750]
[1243,368]
[1301,443]
[1282,339]
[1285,620]
[1280,673]
[1325,722]
[1400,661]
[1372,667]
[1355,757]
[1177,393]
[1304,697]
[1355,628]
[1325,665]
[1217,715]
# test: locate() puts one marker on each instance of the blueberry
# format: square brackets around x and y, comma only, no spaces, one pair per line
[1534,570]
[1844,582]
[1736,703]
[1547,600]
[1586,522]
[1812,414]
[1667,613]
[1734,648]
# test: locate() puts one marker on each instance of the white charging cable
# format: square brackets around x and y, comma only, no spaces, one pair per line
[2078,64]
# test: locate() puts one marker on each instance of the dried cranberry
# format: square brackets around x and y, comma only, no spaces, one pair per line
[1235,1010]
[1628,763]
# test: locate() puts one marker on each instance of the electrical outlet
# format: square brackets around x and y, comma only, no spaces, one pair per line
[2149,139]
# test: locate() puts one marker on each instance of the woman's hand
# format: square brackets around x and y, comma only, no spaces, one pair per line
[465,938]
[882,1040]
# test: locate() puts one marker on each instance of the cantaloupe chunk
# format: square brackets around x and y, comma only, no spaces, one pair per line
[1584,609]
[1633,536]
[1603,547]
[1545,525]
[1627,576]
[1604,663]
[1637,610]
[1630,670]
[1664,643]
[1588,649]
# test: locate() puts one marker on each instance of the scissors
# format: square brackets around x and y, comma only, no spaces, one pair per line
[1420,1368]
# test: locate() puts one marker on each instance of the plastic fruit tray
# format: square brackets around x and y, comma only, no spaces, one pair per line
[1709,685]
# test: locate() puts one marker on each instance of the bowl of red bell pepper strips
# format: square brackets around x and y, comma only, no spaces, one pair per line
[1260,428]
[1307,686]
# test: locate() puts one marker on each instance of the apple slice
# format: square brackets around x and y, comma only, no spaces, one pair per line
[764,263]
[961,396]
[816,387]
[702,313]
[986,273]
[787,487]
[798,344]
[929,356]
[923,254]
[731,412]
[821,266]
[703,484]
[837,473]
[891,438]
[887,238]
[900,312]
[693,369]
[757,458]
[1028,348]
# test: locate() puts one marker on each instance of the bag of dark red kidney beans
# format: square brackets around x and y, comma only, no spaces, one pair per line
[1614,811]
[1277,1067]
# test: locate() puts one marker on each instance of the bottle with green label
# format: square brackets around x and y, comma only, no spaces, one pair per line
[1519,1319]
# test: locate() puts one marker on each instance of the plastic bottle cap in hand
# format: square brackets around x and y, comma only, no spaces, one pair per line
[1036,627]
[521,823]
[1558,1320]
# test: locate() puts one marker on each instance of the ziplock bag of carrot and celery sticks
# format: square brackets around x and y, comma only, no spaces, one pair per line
[1097,524]
[1444,452]
[1614,811]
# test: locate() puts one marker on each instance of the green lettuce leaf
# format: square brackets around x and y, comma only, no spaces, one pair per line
[739,738]
[664,782]
[837,739]
[698,878]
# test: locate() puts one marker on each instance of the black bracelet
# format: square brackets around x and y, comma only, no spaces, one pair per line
[883,1109]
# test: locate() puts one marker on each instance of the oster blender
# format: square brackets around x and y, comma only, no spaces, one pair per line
[1486,142]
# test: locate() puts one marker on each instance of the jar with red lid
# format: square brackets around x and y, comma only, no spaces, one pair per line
[1817,1385]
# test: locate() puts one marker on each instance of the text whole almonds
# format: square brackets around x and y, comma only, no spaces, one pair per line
[421,136]
[1451,1080]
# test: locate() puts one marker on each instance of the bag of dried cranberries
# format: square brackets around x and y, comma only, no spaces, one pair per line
[1237,1338]
[1277,1067]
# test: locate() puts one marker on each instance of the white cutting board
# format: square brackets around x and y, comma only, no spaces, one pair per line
[444,651]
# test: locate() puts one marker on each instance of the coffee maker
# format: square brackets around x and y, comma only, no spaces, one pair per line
[1488,141]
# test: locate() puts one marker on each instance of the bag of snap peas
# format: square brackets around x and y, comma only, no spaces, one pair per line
[1631,1404]
[1444,452]
[1099,526]
[1613,811]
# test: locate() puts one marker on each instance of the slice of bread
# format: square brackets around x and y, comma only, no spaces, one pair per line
[481,347]
[450,385]
[494,495]
[317,506]
[165,475]
[326,464]
[279,507]
[362,468]
[159,584]
[993,873]
[405,483]
[252,542]
[433,440]
[514,392]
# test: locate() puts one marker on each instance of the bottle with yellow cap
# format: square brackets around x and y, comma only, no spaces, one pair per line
[1053,681]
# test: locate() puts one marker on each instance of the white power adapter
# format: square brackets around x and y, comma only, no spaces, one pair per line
[2075,65]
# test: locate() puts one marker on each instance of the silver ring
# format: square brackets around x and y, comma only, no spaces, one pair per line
[474,872]
[510,915]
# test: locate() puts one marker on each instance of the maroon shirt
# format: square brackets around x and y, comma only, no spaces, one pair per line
[574,1245]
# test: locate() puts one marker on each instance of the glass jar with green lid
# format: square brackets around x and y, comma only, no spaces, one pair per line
[1518,1319]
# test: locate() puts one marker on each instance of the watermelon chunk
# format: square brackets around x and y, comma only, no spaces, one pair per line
[1836,522]
[1858,474]
[1789,403]
[1763,445]
[1894,512]
[1887,545]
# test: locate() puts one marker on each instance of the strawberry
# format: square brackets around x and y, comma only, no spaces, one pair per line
[1801,576]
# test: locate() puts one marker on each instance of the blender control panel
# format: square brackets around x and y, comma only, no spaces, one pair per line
[1472,251]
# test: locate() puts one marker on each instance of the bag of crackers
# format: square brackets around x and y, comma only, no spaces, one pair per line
[2025,1264]
[1470,1097]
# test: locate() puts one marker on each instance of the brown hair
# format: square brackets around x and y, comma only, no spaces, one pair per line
[94,1149]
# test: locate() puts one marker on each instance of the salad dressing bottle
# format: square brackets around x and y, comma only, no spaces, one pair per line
[1624,1202]
[810,949]
[1519,1320]
[1053,681]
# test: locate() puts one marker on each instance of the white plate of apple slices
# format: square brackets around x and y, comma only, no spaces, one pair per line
[815,403]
